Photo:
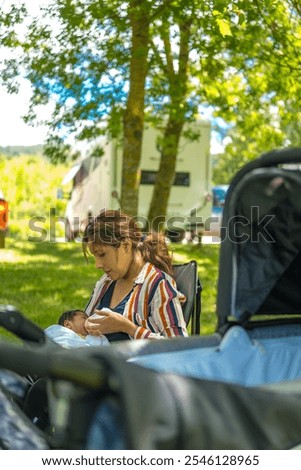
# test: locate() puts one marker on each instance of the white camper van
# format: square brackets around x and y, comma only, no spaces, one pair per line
[96,184]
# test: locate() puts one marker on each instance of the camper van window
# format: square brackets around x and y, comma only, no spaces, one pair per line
[148,177]
[83,171]
[80,176]
[181,178]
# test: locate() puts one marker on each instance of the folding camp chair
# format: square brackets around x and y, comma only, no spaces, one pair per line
[188,282]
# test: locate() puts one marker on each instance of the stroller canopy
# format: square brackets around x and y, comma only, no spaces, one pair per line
[260,254]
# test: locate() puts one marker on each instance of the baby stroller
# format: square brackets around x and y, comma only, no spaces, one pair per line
[239,388]
[259,297]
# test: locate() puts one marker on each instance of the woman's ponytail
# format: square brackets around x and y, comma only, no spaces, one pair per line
[154,249]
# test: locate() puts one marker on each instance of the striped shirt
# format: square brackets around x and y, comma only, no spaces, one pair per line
[154,305]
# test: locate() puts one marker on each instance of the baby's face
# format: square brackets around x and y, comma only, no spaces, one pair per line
[77,323]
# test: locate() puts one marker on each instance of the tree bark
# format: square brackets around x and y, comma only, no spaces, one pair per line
[165,175]
[133,121]
[178,91]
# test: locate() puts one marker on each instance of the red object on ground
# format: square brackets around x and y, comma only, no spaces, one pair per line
[3,214]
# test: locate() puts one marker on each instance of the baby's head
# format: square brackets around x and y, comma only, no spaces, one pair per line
[75,320]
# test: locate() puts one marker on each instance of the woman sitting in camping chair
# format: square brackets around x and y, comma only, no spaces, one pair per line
[137,296]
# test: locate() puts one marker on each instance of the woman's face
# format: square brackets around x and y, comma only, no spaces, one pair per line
[115,262]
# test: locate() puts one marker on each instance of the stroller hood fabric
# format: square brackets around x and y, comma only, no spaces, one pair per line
[261,242]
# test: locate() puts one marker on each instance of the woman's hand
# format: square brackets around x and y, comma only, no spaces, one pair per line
[109,322]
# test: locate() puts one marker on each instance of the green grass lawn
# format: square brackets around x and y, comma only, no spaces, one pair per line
[43,279]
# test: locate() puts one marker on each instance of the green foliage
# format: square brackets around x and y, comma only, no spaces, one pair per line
[244,63]
[57,151]
[16,150]
[44,279]
[81,64]
[260,97]
[29,184]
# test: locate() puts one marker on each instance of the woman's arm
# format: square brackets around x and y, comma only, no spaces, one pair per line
[165,315]
[109,322]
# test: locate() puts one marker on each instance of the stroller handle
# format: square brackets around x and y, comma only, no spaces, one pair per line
[280,156]
[273,158]
[60,364]
[12,320]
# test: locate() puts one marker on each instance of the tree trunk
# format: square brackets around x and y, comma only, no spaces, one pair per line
[165,175]
[133,121]
[178,90]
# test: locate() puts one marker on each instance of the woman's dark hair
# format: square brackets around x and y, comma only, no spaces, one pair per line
[112,227]
[69,315]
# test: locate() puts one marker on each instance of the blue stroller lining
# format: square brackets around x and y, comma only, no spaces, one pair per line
[237,359]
